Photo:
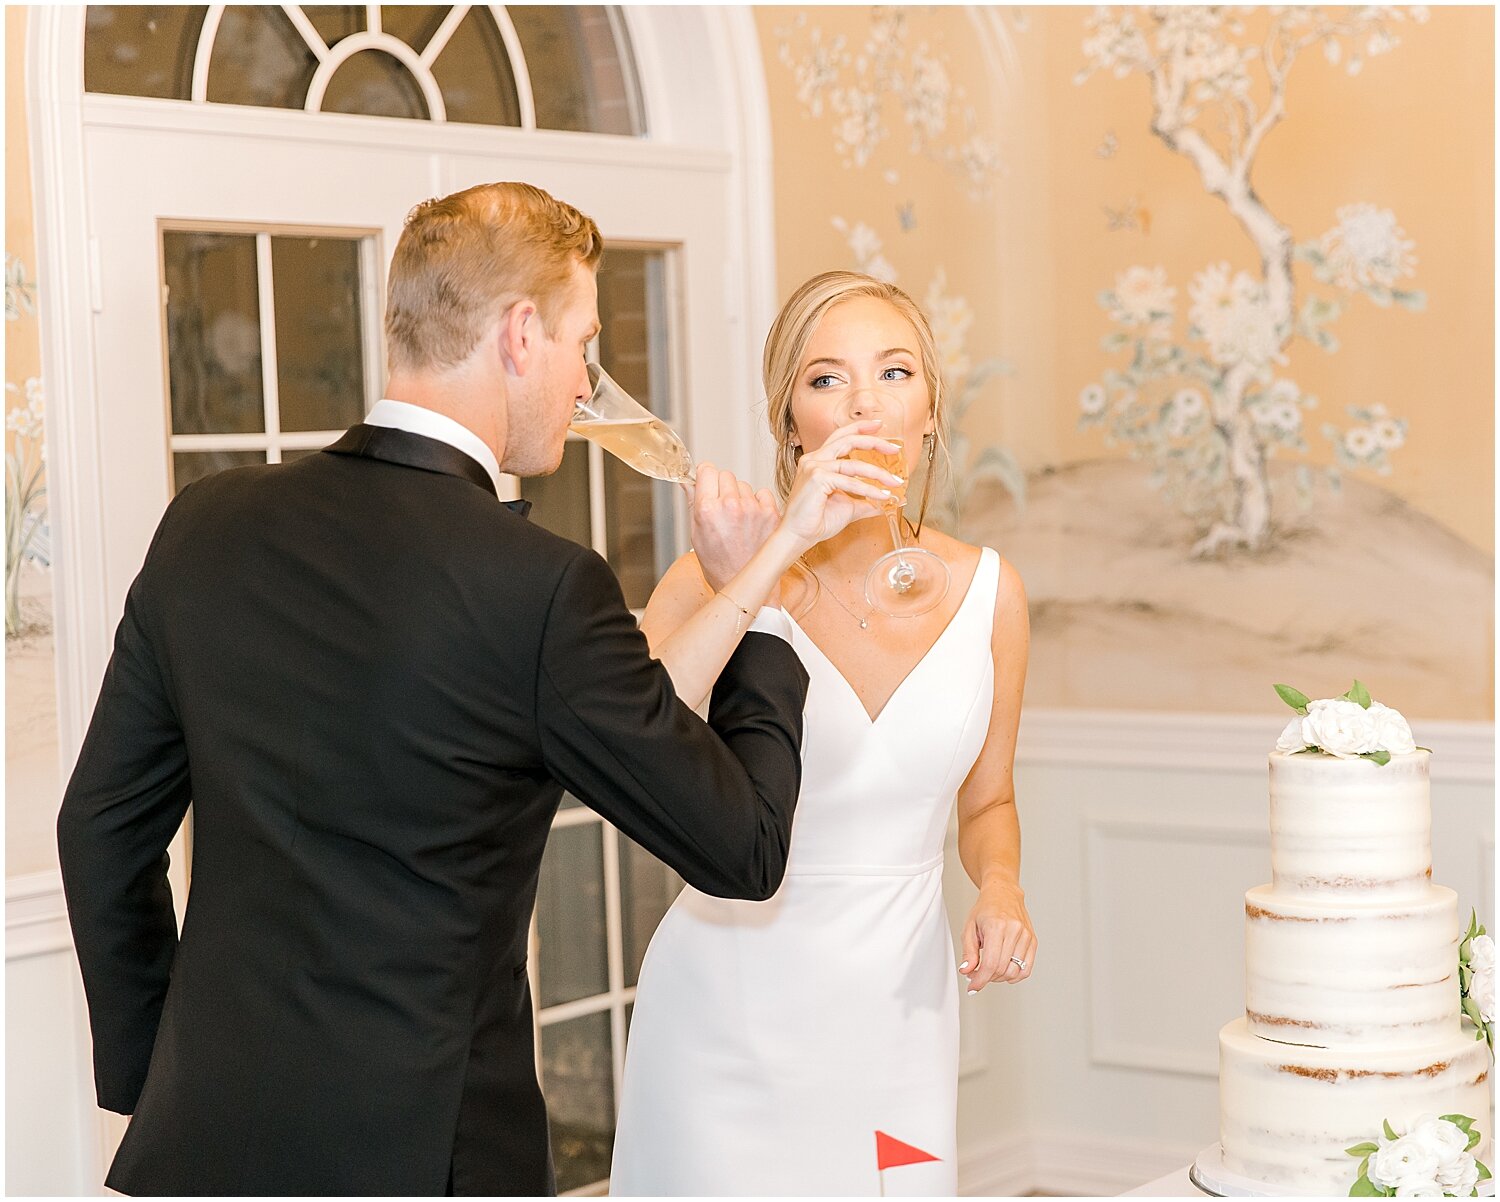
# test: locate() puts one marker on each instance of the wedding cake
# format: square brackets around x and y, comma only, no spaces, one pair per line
[1352,1009]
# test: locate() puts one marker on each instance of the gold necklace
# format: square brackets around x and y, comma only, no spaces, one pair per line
[864,622]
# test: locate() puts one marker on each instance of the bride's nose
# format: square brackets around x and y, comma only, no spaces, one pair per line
[864,404]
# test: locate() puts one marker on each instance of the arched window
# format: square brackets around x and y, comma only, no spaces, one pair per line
[563,67]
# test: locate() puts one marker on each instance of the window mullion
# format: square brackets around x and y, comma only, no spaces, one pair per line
[268,378]
[615,942]
[439,40]
[518,68]
[309,32]
[598,525]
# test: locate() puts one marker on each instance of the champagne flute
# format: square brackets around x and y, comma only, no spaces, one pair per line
[633,434]
[906,581]
[629,431]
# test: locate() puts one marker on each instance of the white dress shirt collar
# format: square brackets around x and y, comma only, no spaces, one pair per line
[414,419]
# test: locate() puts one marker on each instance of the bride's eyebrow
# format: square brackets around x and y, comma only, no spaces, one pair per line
[896,350]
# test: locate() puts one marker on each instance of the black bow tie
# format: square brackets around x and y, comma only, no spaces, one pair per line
[521,509]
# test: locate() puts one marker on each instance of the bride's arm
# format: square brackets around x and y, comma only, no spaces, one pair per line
[692,623]
[989,832]
[693,631]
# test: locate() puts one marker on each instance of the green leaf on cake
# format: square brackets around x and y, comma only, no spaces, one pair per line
[1364,1149]
[1461,1121]
[1359,695]
[1471,1008]
[1380,757]
[1389,1133]
[1298,701]
[1365,1188]
[1484,1173]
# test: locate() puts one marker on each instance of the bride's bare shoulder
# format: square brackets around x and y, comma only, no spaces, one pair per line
[960,555]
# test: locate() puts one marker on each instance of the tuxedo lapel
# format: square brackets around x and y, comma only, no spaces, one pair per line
[415,450]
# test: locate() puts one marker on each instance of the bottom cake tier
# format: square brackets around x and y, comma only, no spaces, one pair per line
[1286,1113]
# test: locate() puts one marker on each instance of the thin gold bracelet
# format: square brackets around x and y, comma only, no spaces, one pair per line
[748,618]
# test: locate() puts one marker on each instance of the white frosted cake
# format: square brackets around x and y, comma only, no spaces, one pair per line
[1351,980]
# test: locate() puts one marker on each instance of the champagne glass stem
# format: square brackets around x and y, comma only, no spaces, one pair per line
[898,543]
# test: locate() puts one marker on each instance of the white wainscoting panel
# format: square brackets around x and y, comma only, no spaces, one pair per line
[52,1129]
[1162,979]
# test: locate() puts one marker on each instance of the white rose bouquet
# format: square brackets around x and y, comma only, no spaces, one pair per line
[1432,1158]
[1476,980]
[1353,726]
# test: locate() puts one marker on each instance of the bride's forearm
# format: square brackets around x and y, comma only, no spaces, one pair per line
[989,845]
[695,653]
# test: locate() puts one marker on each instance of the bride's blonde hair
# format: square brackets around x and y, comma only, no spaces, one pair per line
[787,343]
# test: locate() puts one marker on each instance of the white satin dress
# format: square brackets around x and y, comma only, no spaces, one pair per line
[771,1040]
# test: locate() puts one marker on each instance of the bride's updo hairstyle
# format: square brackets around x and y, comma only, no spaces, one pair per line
[787,343]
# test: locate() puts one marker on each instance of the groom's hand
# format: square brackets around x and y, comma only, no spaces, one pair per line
[730,522]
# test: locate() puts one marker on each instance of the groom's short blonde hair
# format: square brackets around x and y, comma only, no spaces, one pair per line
[463,259]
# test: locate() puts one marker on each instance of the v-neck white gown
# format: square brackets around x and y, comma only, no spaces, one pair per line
[771,1040]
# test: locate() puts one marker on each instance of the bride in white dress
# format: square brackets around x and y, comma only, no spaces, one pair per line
[771,1041]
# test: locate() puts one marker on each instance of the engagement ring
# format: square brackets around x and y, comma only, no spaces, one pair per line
[1018,962]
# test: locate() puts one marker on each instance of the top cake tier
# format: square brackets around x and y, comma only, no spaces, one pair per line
[1350,828]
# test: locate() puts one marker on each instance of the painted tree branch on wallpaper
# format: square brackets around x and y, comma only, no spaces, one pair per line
[891,83]
[1209,411]
[26,535]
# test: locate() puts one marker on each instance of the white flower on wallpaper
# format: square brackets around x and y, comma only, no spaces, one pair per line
[890,84]
[951,318]
[1207,409]
[1233,315]
[1366,251]
[1142,297]
[817,71]
[868,249]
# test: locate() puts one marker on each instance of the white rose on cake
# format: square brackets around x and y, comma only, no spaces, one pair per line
[1392,732]
[1482,984]
[1341,728]
[1459,1176]
[1443,1137]
[1291,738]
[1405,1162]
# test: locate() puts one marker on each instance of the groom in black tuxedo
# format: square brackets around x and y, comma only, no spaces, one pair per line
[373,681]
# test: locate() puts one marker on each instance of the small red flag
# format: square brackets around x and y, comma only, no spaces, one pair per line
[892,1153]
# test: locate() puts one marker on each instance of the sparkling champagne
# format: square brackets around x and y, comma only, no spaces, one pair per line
[895,464]
[645,443]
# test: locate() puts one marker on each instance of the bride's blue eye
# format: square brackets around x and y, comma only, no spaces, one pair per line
[905,374]
[817,381]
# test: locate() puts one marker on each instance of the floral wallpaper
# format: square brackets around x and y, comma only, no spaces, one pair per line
[895,114]
[1222,375]
[1207,410]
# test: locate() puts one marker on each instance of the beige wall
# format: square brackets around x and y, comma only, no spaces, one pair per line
[1389,576]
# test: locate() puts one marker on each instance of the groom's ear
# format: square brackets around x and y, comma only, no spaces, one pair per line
[518,332]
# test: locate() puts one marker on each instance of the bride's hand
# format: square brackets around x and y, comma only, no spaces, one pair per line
[998,928]
[831,490]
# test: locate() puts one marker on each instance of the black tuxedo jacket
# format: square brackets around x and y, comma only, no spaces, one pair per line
[373,681]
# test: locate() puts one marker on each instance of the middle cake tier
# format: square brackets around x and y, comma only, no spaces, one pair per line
[1350,974]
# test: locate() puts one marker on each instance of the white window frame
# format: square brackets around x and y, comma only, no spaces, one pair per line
[273,440]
